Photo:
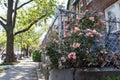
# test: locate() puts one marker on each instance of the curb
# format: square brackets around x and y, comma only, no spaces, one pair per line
[6,66]
[39,74]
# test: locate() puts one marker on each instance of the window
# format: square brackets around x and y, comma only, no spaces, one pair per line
[112,13]
[81,3]
[88,1]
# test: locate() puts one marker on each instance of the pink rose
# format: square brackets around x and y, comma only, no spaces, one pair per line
[78,18]
[101,22]
[92,18]
[63,59]
[72,55]
[66,34]
[88,34]
[94,31]
[100,13]
[80,34]
[88,30]
[76,45]
[56,41]
[91,35]
[66,27]
[76,29]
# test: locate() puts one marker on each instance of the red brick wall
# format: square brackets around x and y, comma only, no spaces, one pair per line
[98,5]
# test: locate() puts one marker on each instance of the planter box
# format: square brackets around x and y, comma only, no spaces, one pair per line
[64,74]
[95,73]
[83,74]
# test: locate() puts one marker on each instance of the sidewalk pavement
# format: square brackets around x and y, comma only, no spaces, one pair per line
[25,70]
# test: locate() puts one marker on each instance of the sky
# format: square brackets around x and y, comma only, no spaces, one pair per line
[63,1]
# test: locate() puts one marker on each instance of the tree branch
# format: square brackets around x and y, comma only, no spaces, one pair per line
[1,23]
[24,4]
[3,19]
[15,13]
[31,24]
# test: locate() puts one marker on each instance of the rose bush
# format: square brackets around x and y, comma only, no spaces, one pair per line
[81,45]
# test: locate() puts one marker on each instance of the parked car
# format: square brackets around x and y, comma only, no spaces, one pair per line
[3,56]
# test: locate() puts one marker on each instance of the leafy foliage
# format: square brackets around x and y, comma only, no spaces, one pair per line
[20,16]
[36,56]
[111,78]
[81,45]
[2,40]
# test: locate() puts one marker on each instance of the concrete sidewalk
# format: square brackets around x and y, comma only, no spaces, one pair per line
[25,70]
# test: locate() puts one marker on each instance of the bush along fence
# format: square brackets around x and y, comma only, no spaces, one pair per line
[80,52]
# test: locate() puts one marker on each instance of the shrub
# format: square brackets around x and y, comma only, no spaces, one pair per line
[81,45]
[36,56]
[112,78]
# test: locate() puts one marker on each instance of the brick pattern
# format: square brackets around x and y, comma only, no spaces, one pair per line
[99,5]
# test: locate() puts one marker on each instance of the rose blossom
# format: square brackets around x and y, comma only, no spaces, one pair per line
[66,27]
[88,30]
[63,59]
[91,35]
[76,29]
[72,55]
[66,34]
[80,34]
[76,45]
[56,41]
[78,18]
[101,22]
[94,32]
[88,34]
[100,13]
[92,18]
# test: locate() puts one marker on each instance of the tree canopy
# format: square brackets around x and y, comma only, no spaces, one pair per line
[20,16]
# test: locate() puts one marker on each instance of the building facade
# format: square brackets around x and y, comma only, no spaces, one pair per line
[110,8]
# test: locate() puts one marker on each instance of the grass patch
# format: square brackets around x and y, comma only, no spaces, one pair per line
[21,59]
[1,70]
[11,63]
[112,78]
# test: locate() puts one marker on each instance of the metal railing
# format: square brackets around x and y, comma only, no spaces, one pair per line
[112,37]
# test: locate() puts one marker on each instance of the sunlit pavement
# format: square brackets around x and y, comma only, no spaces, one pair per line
[25,70]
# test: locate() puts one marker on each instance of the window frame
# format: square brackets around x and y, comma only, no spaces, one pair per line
[116,9]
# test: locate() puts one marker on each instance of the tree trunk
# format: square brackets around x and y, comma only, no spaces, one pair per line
[10,48]
[27,51]
[9,32]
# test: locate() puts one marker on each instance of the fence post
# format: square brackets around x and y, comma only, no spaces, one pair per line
[60,23]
